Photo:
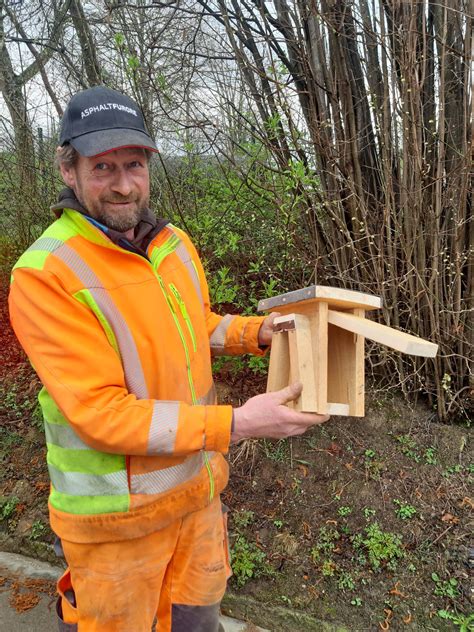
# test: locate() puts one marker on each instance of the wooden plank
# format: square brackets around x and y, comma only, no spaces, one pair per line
[319,339]
[301,363]
[294,375]
[338,409]
[334,296]
[387,336]
[357,373]
[282,323]
[345,372]
[340,351]
[279,368]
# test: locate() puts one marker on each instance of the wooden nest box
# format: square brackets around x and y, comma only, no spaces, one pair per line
[319,341]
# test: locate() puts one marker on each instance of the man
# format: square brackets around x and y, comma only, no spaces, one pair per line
[112,307]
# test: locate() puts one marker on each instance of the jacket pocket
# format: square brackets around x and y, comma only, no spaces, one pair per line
[66,604]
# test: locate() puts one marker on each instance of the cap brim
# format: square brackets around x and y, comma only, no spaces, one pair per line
[103,141]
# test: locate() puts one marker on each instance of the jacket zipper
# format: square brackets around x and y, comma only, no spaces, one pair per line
[168,249]
[181,335]
[184,313]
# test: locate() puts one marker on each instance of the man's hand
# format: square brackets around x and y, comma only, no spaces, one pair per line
[266,330]
[267,416]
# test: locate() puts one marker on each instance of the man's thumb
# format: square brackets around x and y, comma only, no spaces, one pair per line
[290,393]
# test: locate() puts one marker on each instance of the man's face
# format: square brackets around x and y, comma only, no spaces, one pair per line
[113,188]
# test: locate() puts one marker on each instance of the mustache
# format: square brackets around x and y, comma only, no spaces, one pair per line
[120,199]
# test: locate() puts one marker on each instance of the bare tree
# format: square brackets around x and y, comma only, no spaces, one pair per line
[12,84]
[384,145]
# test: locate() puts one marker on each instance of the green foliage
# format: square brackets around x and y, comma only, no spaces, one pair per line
[258,364]
[242,518]
[328,568]
[344,511]
[248,561]
[119,40]
[222,288]
[7,507]
[9,253]
[38,529]
[9,439]
[405,511]
[37,418]
[277,451]
[286,600]
[430,456]
[233,364]
[453,469]
[464,621]
[445,588]
[369,512]
[372,465]
[327,538]
[133,62]
[345,581]
[249,228]
[409,447]
[14,403]
[381,547]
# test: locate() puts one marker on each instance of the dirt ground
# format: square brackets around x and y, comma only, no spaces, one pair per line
[361,522]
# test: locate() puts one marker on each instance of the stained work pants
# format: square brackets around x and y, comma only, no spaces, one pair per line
[176,576]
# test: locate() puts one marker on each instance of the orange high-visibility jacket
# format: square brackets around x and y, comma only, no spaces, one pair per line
[122,345]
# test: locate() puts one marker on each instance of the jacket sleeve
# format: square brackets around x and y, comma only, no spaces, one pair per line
[230,334]
[83,374]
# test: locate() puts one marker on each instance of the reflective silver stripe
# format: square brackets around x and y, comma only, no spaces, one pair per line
[162,480]
[163,428]
[185,257]
[78,266]
[63,436]
[72,483]
[133,370]
[219,335]
[209,398]
[134,377]
[48,244]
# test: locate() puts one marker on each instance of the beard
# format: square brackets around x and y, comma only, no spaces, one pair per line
[119,219]
[120,222]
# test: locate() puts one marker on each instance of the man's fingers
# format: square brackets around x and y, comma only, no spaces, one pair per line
[289,393]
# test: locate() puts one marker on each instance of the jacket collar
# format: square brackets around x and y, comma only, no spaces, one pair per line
[145,231]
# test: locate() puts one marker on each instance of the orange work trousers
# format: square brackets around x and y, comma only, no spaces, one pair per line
[174,578]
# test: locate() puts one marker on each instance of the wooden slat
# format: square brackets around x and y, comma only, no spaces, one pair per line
[279,369]
[334,296]
[357,373]
[384,335]
[319,339]
[338,409]
[340,351]
[301,363]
